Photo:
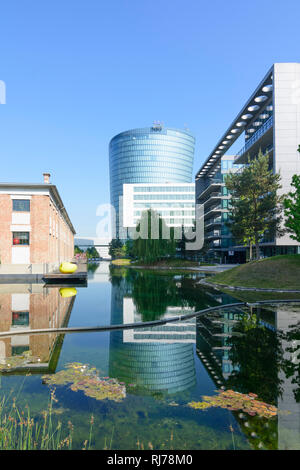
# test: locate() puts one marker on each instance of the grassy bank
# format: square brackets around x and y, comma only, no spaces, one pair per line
[171,263]
[277,272]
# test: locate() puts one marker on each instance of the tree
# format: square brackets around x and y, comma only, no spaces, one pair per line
[256,206]
[91,252]
[292,208]
[148,248]
[77,250]
[115,248]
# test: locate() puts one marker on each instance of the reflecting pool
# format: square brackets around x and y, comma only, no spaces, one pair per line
[228,379]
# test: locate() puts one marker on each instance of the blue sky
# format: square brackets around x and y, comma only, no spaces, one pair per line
[79,72]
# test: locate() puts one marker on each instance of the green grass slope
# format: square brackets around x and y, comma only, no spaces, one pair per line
[270,273]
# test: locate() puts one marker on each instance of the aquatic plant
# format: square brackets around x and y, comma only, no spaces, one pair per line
[20,431]
[85,378]
[235,401]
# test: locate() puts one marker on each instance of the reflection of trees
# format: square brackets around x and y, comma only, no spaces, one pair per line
[153,294]
[291,366]
[92,267]
[256,353]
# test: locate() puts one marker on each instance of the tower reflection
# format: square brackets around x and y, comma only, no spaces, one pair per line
[155,359]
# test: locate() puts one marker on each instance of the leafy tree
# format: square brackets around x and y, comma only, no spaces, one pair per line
[114,248]
[91,252]
[255,205]
[148,249]
[77,250]
[128,249]
[292,208]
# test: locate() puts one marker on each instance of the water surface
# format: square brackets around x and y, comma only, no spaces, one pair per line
[158,371]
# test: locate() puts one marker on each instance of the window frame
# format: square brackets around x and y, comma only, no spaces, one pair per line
[20,200]
[14,236]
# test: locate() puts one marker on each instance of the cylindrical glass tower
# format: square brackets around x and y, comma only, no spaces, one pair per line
[149,155]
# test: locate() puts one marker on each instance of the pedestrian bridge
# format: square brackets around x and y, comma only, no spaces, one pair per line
[101,245]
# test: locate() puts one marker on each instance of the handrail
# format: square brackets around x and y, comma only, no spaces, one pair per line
[262,130]
[91,329]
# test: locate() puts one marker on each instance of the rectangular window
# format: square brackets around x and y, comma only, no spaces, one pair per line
[20,318]
[20,238]
[19,350]
[21,205]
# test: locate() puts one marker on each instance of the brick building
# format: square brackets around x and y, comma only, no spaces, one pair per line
[36,233]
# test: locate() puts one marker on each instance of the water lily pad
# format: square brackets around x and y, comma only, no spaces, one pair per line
[85,378]
[235,401]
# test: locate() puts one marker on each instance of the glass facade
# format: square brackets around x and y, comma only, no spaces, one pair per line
[149,155]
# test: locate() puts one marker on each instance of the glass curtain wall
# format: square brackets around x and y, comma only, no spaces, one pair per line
[148,155]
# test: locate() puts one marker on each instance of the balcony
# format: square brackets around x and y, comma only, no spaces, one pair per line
[211,197]
[263,134]
[214,211]
[213,234]
[211,222]
[214,184]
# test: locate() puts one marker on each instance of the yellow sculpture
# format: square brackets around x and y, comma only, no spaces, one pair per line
[68,268]
[67,291]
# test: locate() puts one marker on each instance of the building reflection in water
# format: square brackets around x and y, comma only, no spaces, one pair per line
[257,350]
[288,321]
[155,359]
[31,307]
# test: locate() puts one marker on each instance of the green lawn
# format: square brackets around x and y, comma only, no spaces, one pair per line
[282,272]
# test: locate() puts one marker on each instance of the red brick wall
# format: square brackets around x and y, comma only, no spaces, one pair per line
[5,233]
[44,247]
[39,236]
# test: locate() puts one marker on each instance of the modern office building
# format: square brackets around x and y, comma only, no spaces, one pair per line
[174,202]
[36,233]
[214,196]
[270,121]
[154,154]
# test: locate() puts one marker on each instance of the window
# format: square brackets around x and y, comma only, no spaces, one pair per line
[20,318]
[19,350]
[21,205]
[20,238]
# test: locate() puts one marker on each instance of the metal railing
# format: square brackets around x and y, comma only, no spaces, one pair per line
[260,132]
[90,329]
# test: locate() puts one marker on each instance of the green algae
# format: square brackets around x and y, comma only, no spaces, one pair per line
[83,378]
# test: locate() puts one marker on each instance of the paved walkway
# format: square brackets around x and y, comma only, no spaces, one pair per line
[218,268]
